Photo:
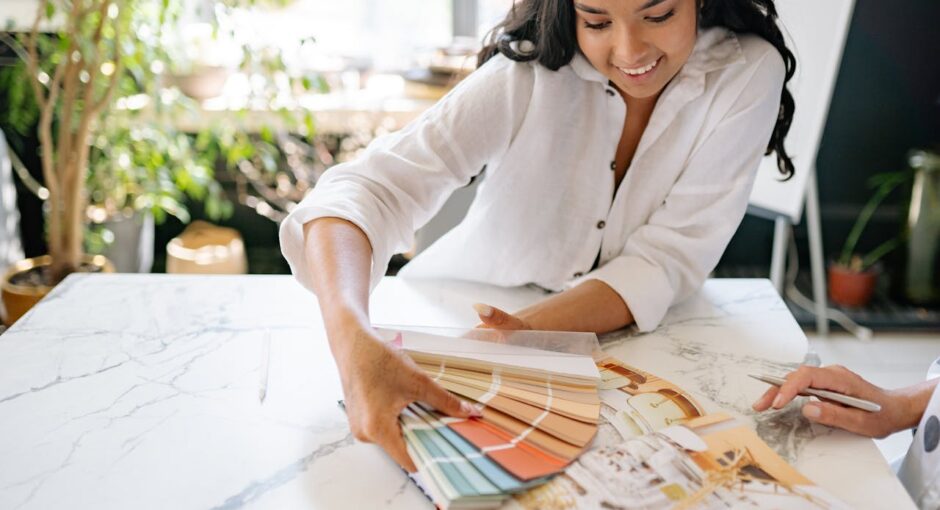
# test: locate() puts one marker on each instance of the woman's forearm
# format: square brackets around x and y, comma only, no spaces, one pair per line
[591,306]
[339,256]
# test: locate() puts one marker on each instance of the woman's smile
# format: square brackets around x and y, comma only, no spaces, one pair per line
[639,73]
[639,45]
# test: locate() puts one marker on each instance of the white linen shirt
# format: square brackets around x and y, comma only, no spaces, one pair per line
[547,206]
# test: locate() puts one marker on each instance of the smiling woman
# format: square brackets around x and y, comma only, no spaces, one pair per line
[651,26]
[638,50]
[620,140]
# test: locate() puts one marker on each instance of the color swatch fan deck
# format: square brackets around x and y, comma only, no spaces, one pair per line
[537,392]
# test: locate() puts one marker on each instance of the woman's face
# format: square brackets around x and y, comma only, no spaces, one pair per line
[638,44]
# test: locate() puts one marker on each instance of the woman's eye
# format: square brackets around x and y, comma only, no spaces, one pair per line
[597,26]
[660,19]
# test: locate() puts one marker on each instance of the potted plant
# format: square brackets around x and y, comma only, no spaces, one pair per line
[853,276]
[140,163]
[103,53]
[73,78]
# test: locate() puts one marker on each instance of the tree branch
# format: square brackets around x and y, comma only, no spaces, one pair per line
[32,63]
[118,70]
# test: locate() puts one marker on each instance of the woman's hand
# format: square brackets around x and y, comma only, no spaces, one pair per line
[378,382]
[494,318]
[898,408]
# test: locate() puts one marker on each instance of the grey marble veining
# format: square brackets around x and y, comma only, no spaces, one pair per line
[141,391]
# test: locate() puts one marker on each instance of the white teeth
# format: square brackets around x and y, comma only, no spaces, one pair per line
[640,70]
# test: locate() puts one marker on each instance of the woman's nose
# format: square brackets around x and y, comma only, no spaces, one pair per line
[631,49]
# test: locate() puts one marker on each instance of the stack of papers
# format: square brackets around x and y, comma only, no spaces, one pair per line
[540,411]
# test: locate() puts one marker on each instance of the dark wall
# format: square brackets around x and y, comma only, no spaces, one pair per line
[886,101]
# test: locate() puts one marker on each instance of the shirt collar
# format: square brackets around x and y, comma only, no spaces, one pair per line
[715,48]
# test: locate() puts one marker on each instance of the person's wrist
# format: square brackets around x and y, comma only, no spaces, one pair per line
[913,401]
[345,328]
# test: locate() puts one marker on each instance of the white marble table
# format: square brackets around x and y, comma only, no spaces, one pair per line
[141,391]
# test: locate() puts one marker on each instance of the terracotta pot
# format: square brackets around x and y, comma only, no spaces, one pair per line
[851,288]
[18,299]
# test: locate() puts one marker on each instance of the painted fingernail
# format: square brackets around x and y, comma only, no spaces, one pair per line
[778,401]
[812,412]
[471,410]
[483,310]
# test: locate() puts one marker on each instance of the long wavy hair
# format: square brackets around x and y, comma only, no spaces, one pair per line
[549,25]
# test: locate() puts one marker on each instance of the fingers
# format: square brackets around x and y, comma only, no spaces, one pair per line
[835,378]
[493,317]
[853,420]
[763,403]
[393,443]
[382,429]
[444,401]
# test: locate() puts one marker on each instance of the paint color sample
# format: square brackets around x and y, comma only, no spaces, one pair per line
[540,410]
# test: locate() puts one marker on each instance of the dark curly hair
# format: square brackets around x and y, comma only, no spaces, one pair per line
[550,26]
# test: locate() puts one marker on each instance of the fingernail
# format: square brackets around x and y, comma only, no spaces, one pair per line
[483,310]
[470,409]
[754,405]
[778,401]
[812,412]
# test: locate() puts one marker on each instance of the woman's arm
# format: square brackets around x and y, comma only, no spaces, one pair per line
[378,381]
[403,178]
[591,306]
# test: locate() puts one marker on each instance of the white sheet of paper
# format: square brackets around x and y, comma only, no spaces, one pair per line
[572,365]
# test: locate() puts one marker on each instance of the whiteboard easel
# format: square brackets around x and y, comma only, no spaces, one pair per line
[815,31]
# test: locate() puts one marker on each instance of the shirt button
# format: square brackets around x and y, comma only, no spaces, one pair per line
[579,274]
[610,92]
[613,165]
[601,224]
[931,434]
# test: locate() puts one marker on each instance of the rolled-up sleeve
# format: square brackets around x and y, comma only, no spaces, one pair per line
[404,178]
[668,258]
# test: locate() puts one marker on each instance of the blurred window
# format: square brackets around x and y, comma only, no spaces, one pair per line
[490,13]
[383,34]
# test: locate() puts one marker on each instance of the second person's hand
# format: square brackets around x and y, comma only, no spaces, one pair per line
[896,412]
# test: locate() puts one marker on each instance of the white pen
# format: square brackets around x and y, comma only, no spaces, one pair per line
[857,403]
[265,365]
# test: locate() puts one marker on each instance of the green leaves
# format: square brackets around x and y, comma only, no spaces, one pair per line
[147,166]
[883,183]
[22,113]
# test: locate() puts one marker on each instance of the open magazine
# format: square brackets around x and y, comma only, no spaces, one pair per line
[710,462]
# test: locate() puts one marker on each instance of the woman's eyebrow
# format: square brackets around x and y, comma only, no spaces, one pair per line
[649,3]
[594,10]
[590,10]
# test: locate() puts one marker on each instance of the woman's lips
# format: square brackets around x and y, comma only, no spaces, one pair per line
[638,73]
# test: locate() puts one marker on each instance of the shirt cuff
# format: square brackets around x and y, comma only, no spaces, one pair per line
[644,287]
[291,235]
